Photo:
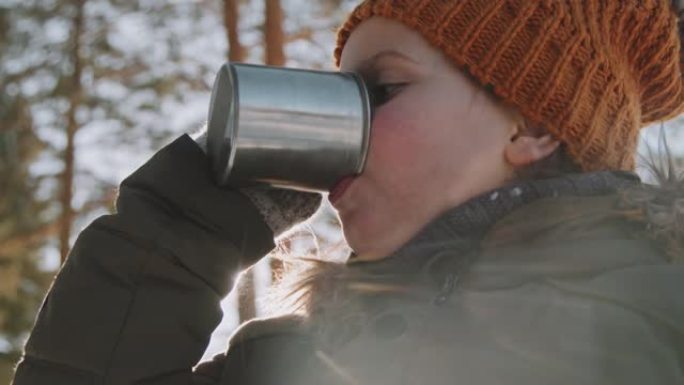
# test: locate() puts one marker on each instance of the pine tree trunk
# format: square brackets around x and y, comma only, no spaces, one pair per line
[274,40]
[273,34]
[247,297]
[237,53]
[76,96]
[231,17]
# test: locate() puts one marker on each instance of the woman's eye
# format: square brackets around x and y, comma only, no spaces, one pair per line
[382,93]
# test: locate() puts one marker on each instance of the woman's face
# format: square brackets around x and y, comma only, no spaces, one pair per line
[437,139]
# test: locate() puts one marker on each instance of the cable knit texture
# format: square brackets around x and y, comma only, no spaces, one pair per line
[592,72]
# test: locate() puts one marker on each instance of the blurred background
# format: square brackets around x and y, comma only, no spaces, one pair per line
[89,89]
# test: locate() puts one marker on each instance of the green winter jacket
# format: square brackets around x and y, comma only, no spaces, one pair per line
[566,286]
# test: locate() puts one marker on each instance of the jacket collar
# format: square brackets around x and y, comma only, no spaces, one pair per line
[462,226]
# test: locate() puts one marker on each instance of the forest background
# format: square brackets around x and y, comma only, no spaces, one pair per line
[89,89]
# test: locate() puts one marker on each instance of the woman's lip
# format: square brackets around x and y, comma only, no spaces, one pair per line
[339,188]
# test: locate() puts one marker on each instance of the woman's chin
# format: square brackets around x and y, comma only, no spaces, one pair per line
[367,244]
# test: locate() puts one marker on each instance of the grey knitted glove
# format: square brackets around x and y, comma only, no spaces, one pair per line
[281,208]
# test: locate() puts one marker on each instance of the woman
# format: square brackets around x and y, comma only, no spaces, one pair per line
[471,262]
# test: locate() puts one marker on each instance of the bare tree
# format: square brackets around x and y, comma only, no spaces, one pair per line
[75,100]
[237,53]
[274,37]
[231,16]
[274,41]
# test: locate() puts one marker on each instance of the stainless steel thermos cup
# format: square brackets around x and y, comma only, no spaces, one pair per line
[290,128]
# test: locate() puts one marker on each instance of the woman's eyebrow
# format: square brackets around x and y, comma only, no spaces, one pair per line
[370,63]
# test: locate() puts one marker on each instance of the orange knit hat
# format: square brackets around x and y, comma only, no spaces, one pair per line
[592,72]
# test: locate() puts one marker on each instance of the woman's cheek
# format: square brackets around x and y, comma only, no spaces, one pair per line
[393,136]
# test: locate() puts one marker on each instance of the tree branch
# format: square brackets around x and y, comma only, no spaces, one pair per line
[19,242]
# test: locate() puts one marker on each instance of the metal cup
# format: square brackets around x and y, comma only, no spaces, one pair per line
[289,128]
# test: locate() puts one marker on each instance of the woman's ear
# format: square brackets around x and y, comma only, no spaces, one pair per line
[525,149]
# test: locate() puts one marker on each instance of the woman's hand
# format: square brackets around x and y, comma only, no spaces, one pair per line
[281,209]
